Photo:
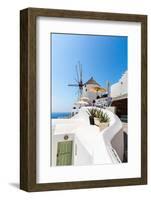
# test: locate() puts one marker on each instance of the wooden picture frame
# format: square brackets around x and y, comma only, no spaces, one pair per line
[28,98]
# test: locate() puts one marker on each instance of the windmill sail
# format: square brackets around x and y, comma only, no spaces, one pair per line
[78,79]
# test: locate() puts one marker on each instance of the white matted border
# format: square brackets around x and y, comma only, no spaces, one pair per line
[132,169]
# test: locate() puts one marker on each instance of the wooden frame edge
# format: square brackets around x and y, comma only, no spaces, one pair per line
[28,99]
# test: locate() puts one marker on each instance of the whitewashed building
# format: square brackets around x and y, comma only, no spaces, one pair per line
[77,142]
[120,88]
[119,95]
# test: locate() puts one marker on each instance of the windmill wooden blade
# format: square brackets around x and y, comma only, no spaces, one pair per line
[81,90]
[78,79]
[77,93]
[75,85]
[80,67]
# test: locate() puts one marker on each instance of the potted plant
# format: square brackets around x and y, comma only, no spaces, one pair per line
[104,121]
[97,116]
[92,113]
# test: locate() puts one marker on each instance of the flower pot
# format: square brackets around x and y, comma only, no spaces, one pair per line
[96,121]
[91,120]
[103,125]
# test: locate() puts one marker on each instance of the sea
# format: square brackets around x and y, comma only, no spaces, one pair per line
[60,115]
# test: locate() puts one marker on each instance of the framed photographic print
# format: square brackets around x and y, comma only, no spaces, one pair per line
[83,99]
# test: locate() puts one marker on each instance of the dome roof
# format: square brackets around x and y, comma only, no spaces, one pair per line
[92,81]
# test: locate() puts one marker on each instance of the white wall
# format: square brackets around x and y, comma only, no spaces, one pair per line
[9,100]
[118,144]
[82,156]
[120,87]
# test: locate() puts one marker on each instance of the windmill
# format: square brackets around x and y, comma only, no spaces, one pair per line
[78,79]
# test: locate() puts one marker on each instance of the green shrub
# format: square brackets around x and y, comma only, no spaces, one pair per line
[92,112]
[99,113]
[104,117]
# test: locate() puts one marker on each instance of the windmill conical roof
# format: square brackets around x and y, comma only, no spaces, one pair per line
[92,81]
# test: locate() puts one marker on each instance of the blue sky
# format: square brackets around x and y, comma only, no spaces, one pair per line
[103,57]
